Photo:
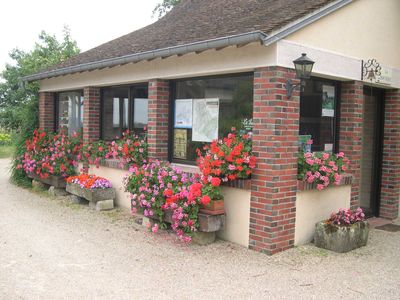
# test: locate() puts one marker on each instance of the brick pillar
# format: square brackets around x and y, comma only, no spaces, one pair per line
[390,190]
[158,119]
[275,144]
[351,130]
[46,111]
[91,114]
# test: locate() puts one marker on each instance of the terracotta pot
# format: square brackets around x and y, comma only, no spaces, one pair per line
[215,207]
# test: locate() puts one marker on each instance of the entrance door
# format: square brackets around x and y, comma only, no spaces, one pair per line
[371,156]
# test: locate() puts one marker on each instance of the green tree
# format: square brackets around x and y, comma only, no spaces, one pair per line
[18,101]
[16,97]
[164,7]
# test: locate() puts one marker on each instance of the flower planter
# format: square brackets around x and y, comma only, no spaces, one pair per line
[215,207]
[92,195]
[341,238]
[52,180]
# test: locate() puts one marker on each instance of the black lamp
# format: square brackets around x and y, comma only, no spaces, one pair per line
[303,66]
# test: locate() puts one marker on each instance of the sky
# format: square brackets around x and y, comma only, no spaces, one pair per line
[92,22]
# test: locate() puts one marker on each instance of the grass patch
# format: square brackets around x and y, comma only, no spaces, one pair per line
[6,151]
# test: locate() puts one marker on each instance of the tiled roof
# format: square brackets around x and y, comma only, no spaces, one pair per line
[199,20]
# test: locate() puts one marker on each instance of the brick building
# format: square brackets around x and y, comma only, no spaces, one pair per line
[237,54]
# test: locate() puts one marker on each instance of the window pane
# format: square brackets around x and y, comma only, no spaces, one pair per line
[140,115]
[235,95]
[116,112]
[317,114]
[70,106]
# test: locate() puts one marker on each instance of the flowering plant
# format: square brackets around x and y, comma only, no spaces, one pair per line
[87,181]
[157,186]
[321,168]
[50,154]
[230,158]
[347,217]
[130,149]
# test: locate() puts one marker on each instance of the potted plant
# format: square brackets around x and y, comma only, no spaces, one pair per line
[97,190]
[343,231]
[212,200]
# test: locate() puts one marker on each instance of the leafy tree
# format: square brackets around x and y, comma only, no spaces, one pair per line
[16,96]
[19,102]
[164,7]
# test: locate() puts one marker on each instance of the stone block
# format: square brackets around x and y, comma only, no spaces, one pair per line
[54,192]
[204,238]
[341,238]
[78,200]
[38,185]
[104,204]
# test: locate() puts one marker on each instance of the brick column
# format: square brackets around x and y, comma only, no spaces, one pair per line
[91,114]
[158,119]
[46,111]
[390,190]
[275,144]
[351,129]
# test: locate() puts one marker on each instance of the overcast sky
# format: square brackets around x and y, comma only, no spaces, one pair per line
[92,22]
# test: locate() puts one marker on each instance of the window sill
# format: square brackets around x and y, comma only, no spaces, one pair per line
[305,186]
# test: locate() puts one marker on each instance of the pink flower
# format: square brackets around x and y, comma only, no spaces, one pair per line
[325,156]
[320,187]
[231,167]
[154,229]
[310,161]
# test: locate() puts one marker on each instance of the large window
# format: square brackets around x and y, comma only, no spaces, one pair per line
[70,111]
[318,113]
[207,108]
[124,108]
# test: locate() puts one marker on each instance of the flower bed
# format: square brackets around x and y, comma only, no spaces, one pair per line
[344,231]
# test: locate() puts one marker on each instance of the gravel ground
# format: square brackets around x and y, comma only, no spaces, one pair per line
[51,249]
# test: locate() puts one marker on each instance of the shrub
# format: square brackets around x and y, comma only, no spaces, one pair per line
[5,139]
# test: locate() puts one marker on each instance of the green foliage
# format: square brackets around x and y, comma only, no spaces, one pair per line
[19,102]
[162,8]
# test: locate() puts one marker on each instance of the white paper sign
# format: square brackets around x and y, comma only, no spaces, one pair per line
[205,119]
[183,113]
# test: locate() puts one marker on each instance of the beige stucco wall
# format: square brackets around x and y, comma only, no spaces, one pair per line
[364,29]
[237,216]
[313,206]
[116,177]
[227,60]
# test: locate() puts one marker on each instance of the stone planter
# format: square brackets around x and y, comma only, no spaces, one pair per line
[100,199]
[215,207]
[341,238]
[56,181]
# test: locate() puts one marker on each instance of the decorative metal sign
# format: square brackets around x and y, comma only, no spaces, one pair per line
[371,70]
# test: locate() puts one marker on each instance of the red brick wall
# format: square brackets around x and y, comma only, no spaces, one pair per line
[91,114]
[350,132]
[158,119]
[46,111]
[275,144]
[390,190]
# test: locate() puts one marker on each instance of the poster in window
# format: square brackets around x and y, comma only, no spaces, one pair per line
[183,113]
[328,101]
[205,119]
[180,143]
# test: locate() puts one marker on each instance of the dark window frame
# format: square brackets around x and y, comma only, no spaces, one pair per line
[172,96]
[131,105]
[57,106]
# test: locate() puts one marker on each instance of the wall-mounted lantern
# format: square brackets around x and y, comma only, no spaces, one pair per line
[303,66]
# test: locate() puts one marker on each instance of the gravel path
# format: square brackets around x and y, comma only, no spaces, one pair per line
[51,249]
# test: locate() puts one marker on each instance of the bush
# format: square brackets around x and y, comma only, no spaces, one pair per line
[347,217]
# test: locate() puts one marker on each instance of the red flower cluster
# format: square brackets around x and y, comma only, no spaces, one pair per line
[229,158]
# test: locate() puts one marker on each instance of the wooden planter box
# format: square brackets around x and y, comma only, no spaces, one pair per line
[341,238]
[215,207]
[56,181]
[92,195]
